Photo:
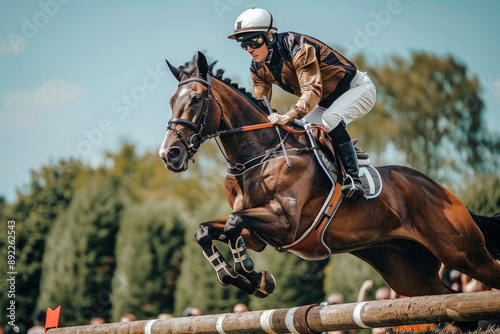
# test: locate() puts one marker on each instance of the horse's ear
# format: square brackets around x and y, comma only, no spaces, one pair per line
[202,64]
[175,71]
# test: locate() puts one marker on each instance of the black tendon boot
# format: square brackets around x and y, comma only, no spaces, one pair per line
[352,187]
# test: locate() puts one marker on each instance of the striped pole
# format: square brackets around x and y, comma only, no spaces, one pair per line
[315,319]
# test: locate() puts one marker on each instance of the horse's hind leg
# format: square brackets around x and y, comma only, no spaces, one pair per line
[475,261]
[226,274]
[408,267]
[461,245]
[410,270]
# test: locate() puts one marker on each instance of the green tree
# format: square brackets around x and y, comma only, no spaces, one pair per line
[148,259]
[429,108]
[3,206]
[79,260]
[481,194]
[146,177]
[50,191]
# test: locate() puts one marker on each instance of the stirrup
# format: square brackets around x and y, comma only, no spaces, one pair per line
[353,193]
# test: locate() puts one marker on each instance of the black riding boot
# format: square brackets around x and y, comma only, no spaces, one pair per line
[352,187]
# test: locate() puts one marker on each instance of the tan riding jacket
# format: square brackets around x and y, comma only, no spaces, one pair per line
[305,67]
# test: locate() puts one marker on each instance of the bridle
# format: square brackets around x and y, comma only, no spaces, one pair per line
[197,138]
[193,143]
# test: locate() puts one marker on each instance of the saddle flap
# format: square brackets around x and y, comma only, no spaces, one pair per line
[371,181]
[328,144]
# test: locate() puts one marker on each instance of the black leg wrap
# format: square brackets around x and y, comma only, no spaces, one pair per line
[225,273]
[243,264]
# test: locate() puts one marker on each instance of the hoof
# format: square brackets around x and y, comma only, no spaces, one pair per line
[221,282]
[267,283]
[259,294]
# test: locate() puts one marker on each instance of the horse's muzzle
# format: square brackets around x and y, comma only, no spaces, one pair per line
[175,159]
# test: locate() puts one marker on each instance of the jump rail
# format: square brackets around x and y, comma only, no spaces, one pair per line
[314,318]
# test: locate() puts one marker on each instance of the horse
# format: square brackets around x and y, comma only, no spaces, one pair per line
[412,227]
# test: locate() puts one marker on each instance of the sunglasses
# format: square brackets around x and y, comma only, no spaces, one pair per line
[254,43]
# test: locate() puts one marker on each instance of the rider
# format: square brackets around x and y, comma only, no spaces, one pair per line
[331,90]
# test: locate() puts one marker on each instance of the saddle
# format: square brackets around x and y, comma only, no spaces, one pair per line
[326,146]
[310,245]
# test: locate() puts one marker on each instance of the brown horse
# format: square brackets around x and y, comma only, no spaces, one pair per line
[405,233]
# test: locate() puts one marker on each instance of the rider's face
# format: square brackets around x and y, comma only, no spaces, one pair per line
[259,54]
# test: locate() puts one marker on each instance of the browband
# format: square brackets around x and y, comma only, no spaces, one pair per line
[205,82]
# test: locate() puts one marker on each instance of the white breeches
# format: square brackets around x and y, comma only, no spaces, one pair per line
[353,104]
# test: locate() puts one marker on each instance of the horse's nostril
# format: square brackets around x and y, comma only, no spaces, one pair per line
[174,153]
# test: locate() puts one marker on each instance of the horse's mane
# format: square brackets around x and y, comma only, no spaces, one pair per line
[190,68]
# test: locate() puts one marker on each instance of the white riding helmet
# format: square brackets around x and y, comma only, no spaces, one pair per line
[253,22]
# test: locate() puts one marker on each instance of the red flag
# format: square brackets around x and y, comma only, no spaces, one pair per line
[52,319]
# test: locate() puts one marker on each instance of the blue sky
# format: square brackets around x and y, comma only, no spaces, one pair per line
[78,77]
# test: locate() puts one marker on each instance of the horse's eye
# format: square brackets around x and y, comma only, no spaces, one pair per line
[196,100]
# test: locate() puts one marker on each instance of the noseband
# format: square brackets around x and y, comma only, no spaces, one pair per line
[196,139]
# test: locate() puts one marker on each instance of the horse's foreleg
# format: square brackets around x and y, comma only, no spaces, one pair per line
[263,281]
[226,274]
[265,220]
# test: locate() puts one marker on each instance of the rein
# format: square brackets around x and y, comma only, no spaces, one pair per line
[258,127]
[197,139]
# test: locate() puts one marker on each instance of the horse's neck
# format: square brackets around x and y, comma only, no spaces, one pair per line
[239,112]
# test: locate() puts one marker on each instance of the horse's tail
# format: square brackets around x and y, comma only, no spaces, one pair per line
[490,227]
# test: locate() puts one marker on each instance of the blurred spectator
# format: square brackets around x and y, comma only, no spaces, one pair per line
[336,299]
[367,285]
[165,316]
[473,285]
[455,279]
[451,278]
[240,307]
[128,317]
[18,329]
[39,321]
[97,321]
[382,293]
[191,312]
